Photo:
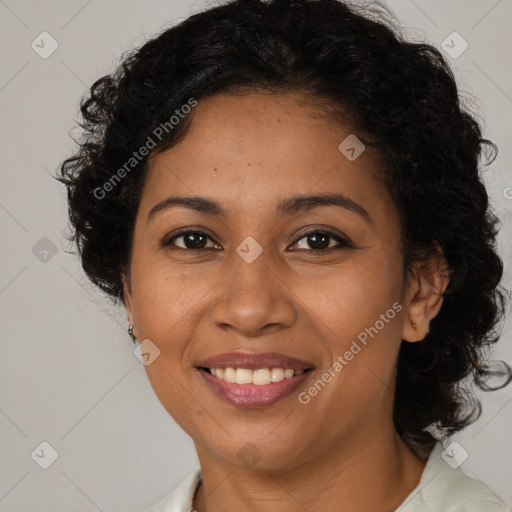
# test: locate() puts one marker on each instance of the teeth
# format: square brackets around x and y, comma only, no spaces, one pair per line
[243,376]
[276,374]
[260,377]
[229,375]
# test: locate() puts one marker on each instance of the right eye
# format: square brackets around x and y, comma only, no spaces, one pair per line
[191,239]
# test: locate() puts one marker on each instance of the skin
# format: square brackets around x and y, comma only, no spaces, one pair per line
[248,153]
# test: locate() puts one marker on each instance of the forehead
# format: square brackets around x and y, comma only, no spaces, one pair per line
[249,150]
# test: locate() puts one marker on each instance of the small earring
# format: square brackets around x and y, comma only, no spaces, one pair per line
[414,325]
[130,332]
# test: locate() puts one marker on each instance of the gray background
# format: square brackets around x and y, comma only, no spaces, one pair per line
[68,375]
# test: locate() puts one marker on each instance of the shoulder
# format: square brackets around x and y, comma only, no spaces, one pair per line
[180,500]
[444,487]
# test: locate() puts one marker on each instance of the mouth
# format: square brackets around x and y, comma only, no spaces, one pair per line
[254,380]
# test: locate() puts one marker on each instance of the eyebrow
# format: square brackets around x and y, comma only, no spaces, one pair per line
[285,207]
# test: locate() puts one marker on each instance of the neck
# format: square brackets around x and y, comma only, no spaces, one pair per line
[368,473]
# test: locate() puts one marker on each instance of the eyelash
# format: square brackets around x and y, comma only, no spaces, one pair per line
[343,243]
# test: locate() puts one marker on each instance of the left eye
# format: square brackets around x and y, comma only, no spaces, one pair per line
[318,240]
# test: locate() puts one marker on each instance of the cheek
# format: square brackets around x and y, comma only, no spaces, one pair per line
[175,394]
[165,298]
[356,312]
[349,298]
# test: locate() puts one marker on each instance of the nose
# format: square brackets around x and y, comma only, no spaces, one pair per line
[252,299]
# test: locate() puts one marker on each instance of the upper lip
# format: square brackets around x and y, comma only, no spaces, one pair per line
[253,361]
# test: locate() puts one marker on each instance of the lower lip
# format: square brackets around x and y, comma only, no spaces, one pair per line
[252,395]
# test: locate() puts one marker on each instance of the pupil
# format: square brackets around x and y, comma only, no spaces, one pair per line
[318,241]
[191,241]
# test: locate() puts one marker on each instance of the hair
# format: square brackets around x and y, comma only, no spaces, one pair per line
[401,99]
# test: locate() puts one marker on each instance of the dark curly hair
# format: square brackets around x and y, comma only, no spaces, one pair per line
[400,97]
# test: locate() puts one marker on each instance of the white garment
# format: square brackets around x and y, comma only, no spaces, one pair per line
[440,489]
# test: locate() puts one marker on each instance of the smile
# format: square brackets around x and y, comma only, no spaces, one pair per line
[253,380]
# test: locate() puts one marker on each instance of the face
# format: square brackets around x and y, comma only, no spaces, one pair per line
[268,271]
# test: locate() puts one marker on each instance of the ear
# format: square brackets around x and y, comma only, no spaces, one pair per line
[128,298]
[424,296]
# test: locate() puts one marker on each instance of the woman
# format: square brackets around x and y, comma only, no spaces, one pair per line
[286,197]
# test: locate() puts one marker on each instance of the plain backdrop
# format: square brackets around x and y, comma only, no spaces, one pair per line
[68,375]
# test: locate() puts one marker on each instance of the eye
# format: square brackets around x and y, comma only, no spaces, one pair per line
[191,239]
[322,240]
